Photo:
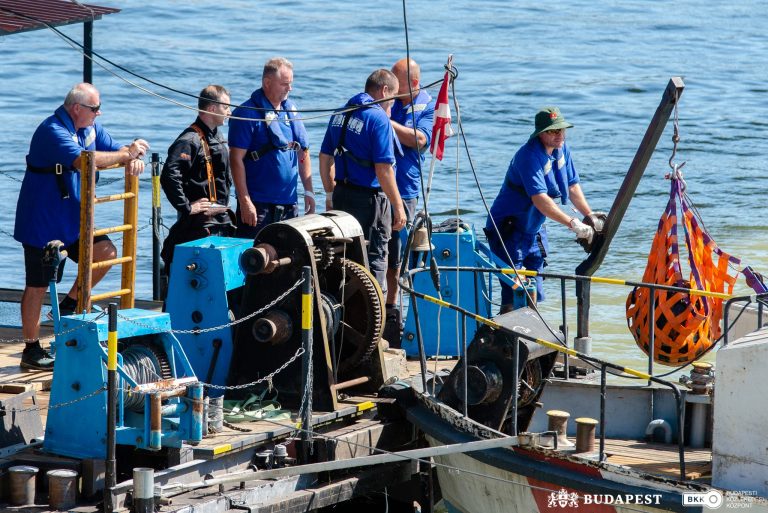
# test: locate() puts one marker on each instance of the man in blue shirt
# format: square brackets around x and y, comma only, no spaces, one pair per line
[48,208]
[356,167]
[268,151]
[413,108]
[540,172]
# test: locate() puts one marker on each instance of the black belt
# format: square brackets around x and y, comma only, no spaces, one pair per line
[257,154]
[56,170]
[355,187]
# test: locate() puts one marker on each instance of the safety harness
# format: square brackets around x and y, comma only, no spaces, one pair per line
[274,134]
[345,153]
[268,147]
[208,164]
[56,170]
[686,325]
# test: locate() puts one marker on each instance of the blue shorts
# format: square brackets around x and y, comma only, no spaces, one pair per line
[527,250]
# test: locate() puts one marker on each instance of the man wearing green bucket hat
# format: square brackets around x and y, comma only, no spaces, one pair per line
[541,172]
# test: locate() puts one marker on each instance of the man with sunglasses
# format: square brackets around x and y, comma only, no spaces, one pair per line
[540,172]
[48,207]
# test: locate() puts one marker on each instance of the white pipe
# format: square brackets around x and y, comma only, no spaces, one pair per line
[698,424]
[663,424]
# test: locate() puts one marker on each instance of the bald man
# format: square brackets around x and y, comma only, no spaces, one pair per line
[413,108]
[49,203]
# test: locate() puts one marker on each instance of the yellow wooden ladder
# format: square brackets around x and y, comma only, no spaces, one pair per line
[88,201]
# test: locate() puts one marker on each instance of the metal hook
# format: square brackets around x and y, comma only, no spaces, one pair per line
[675,139]
[450,68]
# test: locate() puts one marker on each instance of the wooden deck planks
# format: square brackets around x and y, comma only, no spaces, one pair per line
[661,459]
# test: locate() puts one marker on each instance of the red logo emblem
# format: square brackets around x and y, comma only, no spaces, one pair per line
[553,115]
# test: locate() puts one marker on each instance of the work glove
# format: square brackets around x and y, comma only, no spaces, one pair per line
[582,230]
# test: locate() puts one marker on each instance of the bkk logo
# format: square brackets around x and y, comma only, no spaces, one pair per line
[712,499]
[565,499]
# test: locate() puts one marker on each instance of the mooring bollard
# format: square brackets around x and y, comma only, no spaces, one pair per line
[585,434]
[558,422]
[62,489]
[143,490]
[22,478]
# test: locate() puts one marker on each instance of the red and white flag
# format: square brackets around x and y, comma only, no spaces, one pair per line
[441,129]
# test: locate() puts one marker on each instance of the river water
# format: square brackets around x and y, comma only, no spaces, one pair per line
[605,64]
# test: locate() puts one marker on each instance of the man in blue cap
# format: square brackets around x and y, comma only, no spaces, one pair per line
[268,152]
[356,166]
[541,172]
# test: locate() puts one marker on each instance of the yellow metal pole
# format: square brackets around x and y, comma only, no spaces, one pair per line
[111,459]
[84,271]
[130,217]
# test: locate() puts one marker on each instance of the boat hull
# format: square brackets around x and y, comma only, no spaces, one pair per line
[480,487]
[530,479]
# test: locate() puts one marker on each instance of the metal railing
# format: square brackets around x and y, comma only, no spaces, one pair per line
[564,349]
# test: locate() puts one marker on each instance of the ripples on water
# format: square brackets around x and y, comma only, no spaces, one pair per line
[605,64]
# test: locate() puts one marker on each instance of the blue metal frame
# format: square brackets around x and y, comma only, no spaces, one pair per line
[202,272]
[79,429]
[471,291]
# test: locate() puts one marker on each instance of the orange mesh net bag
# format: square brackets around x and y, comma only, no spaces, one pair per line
[686,325]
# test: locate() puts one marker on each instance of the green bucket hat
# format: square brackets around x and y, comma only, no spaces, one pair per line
[549,118]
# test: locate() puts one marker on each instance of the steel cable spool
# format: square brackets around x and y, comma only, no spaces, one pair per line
[144,364]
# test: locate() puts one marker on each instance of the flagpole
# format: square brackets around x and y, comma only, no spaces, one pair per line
[431,173]
[441,128]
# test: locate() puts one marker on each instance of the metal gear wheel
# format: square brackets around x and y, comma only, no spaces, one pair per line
[362,321]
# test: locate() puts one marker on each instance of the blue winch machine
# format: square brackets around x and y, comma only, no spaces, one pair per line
[471,291]
[203,275]
[159,400]
[238,320]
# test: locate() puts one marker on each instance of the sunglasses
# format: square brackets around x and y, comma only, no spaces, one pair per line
[94,108]
[556,131]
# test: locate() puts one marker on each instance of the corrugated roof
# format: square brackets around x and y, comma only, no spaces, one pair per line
[23,15]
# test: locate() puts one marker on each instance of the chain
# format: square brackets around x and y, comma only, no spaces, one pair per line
[58,405]
[55,335]
[222,326]
[266,379]
[306,400]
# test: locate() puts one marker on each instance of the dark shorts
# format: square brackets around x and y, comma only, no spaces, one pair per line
[372,210]
[40,276]
[526,250]
[266,213]
[397,242]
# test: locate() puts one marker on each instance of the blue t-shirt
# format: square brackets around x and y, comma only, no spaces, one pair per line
[273,177]
[408,165]
[369,138]
[532,171]
[41,213]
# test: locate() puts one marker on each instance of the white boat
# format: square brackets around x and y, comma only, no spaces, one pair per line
[643,443]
